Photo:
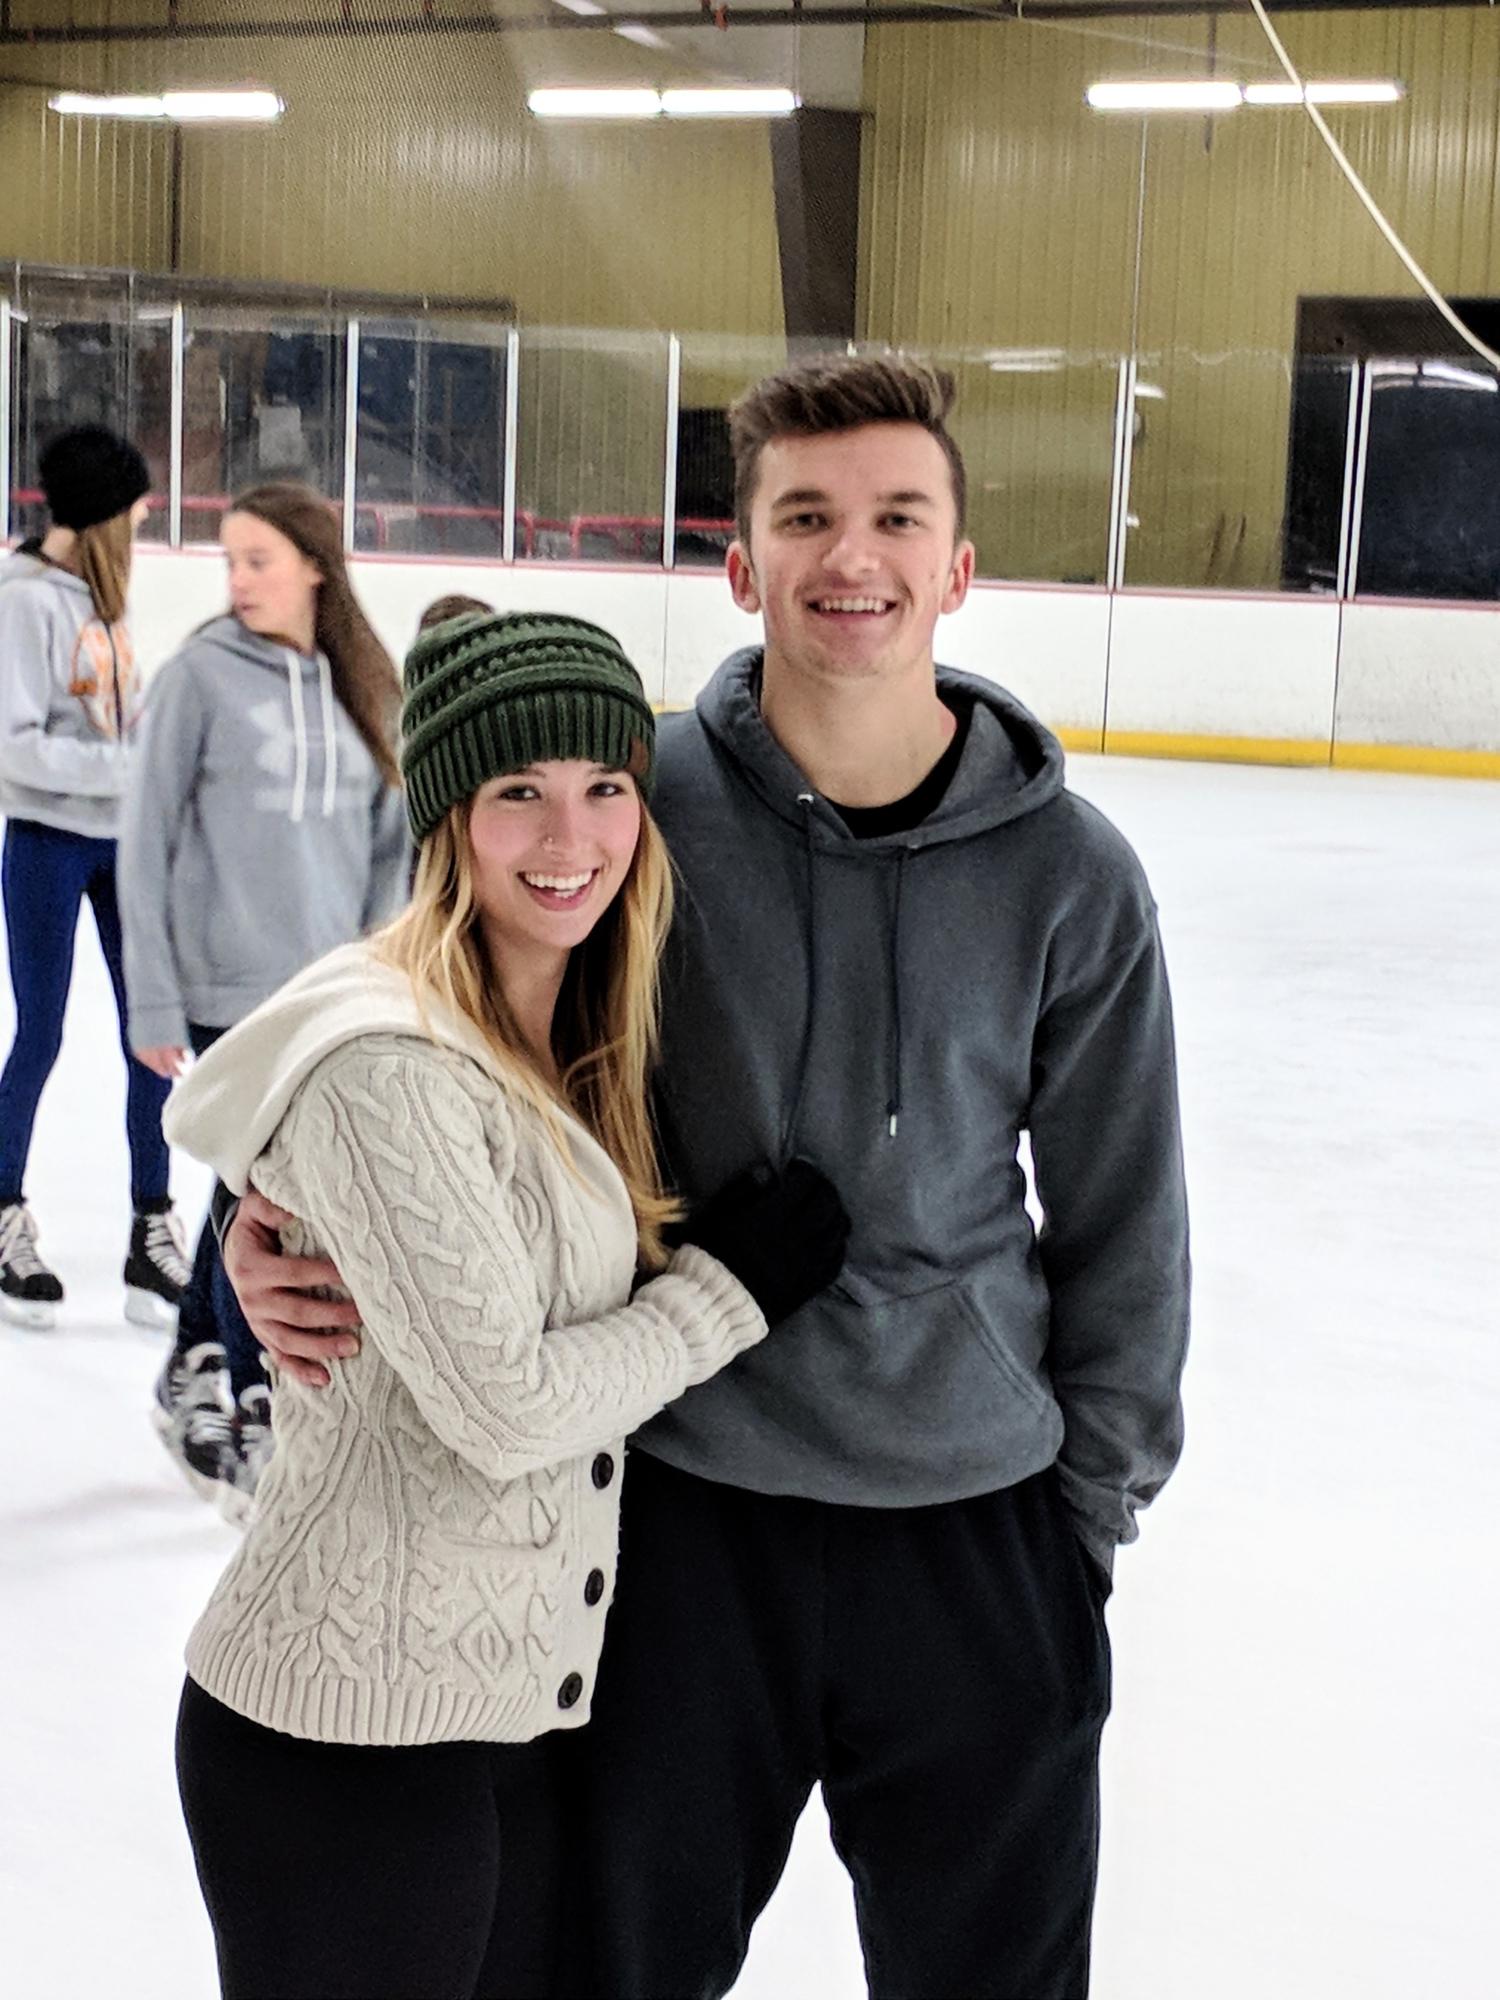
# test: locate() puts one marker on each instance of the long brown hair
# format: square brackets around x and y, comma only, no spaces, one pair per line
[605,1027]
[364,675]
[102,555]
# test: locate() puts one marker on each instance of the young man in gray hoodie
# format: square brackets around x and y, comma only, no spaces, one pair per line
[874,1555]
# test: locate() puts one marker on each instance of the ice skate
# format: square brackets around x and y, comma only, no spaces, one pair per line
[191,1415]
[156,1268]
[29,1293]
[251,1450]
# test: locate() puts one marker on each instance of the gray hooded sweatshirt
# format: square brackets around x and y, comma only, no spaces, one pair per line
[257,834]
[900,1010]
[70,696]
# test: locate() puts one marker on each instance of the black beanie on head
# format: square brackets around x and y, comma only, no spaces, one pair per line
[91,474]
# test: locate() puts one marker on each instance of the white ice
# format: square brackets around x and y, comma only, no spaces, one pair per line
[1302,1775]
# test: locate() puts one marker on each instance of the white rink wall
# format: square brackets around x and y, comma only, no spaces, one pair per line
[1261,679]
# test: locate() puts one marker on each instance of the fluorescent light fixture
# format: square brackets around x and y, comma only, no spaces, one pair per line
[583,6]
[594,103]
[1459,378]
[196,107]
[1375,91]
[728,103]
[182,106]
[644,38]
[1153,94]
[1024,360]
[80,104]
[1149,392]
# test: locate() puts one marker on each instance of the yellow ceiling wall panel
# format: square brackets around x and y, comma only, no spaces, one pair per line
[1000,212]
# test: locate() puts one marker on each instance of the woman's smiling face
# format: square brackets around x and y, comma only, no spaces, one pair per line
[550,848]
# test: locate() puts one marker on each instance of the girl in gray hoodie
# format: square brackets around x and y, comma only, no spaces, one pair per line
[263,825]
[69,699]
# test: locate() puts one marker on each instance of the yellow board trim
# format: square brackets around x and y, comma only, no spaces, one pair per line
[1300,752]
[1411,757]
[1297,750]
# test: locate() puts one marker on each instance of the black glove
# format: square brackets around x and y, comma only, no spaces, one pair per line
[783,1235]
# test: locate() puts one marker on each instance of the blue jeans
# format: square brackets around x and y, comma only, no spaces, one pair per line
[46,875]
[209,1308]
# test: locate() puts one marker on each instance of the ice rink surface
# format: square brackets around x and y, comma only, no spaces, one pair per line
[1302,1775]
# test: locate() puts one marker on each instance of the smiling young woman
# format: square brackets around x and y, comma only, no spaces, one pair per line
[456,1113]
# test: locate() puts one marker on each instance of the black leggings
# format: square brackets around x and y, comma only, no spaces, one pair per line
[339,1873]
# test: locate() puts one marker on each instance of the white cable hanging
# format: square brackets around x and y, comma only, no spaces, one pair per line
[1342,161]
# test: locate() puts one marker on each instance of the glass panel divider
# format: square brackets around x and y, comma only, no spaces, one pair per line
[5,420]
[512,440]
[351,428]
[174,449]
[669,478]
[1356,513]
[1119,478]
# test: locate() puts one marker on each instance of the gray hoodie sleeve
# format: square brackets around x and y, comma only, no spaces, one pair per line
[390,857]
[1107,1151]
[29,755]
[163,772]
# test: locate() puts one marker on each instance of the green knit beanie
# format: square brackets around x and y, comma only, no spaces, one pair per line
[492,692]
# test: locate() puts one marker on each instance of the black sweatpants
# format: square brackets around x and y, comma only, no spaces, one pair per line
[943,1672]
[335,1873]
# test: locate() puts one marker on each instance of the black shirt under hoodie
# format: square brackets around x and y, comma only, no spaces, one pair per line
[899,1009]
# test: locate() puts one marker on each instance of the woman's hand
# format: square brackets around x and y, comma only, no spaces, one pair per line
[299,1331]
[166,1061]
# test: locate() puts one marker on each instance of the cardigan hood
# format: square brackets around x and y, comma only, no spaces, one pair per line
[226,1109]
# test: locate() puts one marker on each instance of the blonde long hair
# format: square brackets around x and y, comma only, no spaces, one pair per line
[102,553]
[606,1024]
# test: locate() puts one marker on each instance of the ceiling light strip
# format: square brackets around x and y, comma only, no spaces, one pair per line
[1221,94]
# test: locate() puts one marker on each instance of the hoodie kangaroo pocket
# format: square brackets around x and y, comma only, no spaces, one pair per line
[1029,1385]
[923,1380]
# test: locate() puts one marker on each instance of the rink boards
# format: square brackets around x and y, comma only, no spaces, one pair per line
[1370,684]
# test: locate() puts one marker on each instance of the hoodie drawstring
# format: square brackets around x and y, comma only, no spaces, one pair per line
[330,738]
[893,962]
[806,800]
[299,735]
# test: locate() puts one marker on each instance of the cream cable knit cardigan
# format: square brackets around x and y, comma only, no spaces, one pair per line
[433,1551]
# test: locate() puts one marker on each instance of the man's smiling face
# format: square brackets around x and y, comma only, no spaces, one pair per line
[853,551]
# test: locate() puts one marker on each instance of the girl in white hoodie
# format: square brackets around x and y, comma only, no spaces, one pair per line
[263,825]
[70,696]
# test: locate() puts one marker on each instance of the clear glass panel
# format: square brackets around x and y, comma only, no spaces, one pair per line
[716,368]
[1036,428]
[591,450]
[430,469]
[1208,477]
[72,366]
[151,409]
[1430,525]
[1322,390]
[262,399]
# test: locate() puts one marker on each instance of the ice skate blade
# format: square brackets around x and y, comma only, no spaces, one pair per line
[37,1315]
[143,1308]
[236,1507]
[207,1489]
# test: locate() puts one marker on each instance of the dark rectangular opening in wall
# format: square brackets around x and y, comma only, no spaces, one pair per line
[1429,521]
[705,487]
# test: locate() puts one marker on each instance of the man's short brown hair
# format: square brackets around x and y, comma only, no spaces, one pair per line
[841,392]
